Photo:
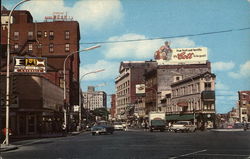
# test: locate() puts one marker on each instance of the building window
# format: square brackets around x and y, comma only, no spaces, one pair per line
[39,34]
[51,35]
[51,47]
[207,86]
[45,34]
[30,48]
[67,35]
[67,47]
[16,35]
[30,35]
[16,46]
[61,83]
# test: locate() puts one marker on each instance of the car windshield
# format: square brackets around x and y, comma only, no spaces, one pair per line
[181,123]
[158,122]
[117,123]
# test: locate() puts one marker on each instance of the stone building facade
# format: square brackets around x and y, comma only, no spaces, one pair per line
[193,98]
[94,99]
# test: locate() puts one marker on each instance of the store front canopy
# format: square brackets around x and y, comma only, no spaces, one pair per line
[176,117]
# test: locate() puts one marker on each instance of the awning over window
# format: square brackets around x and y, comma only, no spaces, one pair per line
[179,117]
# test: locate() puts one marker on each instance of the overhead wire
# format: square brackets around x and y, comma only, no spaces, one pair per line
[150,39]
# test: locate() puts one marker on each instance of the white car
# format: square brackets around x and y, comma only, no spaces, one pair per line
[183,126]
[118,126]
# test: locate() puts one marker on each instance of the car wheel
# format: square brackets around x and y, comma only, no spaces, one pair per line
[93,133]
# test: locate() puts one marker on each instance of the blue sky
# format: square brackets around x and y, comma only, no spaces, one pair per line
[112,20]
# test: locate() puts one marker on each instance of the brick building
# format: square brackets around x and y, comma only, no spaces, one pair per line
[158,81]
[244,105]
[113,106]
[131,74]
[53,40]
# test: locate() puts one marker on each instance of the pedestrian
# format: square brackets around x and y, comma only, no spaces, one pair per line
[145,126]
[63,129]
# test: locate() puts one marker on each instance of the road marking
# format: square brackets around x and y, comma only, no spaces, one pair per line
[229,155]
[188,154]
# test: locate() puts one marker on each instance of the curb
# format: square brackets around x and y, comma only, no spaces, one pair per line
[5,148]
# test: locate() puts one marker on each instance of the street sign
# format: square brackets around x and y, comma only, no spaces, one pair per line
[30,64]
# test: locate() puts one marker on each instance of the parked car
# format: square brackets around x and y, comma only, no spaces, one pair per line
[102,128]
[118,126]
[183,126]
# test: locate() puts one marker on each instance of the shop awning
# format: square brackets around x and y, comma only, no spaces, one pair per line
[179,117]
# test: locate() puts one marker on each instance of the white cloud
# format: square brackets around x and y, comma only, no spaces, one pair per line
[222,66]
[221,86]
[248,0]
[243,72]
[140,49]
[89,13]
[111,70]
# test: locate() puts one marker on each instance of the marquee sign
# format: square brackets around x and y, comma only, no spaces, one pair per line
[30,64]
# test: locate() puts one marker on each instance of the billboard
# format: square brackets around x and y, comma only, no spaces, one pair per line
[167,56]
[30,64]
[140,88]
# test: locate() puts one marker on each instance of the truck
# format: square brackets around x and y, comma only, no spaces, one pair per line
[157,121]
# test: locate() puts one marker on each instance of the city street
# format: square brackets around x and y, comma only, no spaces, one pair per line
[137,144]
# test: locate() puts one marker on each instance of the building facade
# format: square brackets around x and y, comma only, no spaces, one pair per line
[193,98]
[244,105]
[53,40]
[158,82]
[113,106]
[131,74]
[94,99]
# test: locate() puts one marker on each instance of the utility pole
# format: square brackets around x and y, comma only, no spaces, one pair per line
[0,66]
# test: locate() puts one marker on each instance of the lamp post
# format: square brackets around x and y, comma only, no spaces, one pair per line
[64,79]
[6,141]
[80,99]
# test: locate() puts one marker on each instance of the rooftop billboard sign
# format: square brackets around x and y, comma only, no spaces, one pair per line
[167,56]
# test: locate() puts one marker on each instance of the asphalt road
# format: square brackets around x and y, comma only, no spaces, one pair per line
[137,144]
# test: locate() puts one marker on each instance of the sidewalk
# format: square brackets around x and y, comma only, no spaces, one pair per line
[30,139]
[4,148]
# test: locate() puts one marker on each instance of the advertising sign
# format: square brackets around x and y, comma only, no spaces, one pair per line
[30,64]
[167,56]
[140,88]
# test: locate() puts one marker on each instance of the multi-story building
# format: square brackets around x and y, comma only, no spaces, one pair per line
[131,74]
[54,40]
[193,98]
[159,80]
[244,105]
[113,106]
[94,99]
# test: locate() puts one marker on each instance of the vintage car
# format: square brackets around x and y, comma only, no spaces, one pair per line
[183,126]
[102,128]
[118,126]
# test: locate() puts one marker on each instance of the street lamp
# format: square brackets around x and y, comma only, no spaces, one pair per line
[6,141]
[64,78]
[80,99]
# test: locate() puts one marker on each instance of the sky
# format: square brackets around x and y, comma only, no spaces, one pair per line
[220,25]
